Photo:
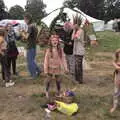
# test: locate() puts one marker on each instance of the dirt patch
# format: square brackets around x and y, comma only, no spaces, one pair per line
[23,101]
[104,54]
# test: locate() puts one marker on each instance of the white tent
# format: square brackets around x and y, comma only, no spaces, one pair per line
[97,24]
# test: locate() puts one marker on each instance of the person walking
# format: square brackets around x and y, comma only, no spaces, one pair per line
[31,37]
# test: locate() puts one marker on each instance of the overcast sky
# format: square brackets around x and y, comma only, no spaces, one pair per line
[51,4]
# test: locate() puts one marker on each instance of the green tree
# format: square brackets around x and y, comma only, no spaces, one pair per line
[37,9]
[112,9]
[2,5]
[3,13]
[100,9]
[93,8]
[16,12]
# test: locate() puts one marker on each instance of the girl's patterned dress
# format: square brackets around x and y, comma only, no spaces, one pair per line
[54,66]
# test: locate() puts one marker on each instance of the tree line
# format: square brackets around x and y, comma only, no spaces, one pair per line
[100,9]
[34,7]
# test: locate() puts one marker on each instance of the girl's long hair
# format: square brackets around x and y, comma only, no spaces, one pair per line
[59,50]
[117,55]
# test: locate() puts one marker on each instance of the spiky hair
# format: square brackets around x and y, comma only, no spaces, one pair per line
[77,19]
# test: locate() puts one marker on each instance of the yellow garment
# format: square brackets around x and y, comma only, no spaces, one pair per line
[3,45]
[24,35]
[67,109]
[1,39]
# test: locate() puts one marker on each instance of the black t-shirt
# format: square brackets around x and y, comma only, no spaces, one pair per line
[12,50]
[66,37]
[68,48]
[32,30]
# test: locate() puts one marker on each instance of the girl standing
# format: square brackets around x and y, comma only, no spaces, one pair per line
[12,50]
[4,60]
[116,96]
[54,63]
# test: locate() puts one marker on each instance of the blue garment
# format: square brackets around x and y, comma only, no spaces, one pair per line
[32,66]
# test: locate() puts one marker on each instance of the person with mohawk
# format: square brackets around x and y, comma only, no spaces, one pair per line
[78,49]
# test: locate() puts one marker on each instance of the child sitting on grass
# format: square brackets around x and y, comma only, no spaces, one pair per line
[54,63]
[116,96]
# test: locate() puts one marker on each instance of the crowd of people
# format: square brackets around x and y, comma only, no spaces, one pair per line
[58,60]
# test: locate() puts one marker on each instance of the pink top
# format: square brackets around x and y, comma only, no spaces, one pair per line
[54,64]
[76,34]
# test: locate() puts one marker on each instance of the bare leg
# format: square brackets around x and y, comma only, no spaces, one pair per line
[48,85]
[58,84]
[115,98]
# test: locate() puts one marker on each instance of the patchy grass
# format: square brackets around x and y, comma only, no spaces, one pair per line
[109,41]
[94,98]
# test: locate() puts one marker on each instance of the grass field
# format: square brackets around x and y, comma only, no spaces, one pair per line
[23,102]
